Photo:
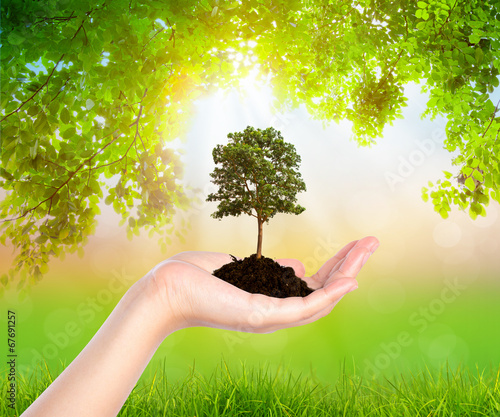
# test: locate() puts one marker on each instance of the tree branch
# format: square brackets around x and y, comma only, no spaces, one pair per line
[61,89]
[392,66]
[491,119]
[36,92]
[446,21]
[47,199]
[56,164]
[340,20]
[150,39]
[241,178]
[118,160]
[57,189]
[52,72]
[57,19]
[172,36]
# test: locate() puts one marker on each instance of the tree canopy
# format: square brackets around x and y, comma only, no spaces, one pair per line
[257,174]
[93,91]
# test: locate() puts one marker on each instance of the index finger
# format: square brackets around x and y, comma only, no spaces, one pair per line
[369,243]
[325,271]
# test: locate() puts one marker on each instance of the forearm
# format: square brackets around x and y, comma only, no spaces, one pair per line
[99,380]
[182,292]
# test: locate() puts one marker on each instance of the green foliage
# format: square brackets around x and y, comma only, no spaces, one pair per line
[257,174]
[116,79]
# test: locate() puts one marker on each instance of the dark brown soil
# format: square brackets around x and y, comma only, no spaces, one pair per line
[263,276]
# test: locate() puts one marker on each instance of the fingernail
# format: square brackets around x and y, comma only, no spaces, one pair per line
[375,247]
[367,256]
[352,289]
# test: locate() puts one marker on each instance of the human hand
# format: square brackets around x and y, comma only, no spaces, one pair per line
[182,292]
[189,295]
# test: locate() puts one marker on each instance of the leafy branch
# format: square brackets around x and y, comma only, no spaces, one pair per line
[36,91]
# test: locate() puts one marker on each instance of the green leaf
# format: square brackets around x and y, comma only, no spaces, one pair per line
[66,156]
[473,163]
[33,110]
[483,199]
[476,208]
[474,39]
[27,228]
[478,176]
[469,183]
[87,153]
[109,200]
[65,116]
[68,133]
[63,234]
[44,268]
[488,181]
[124,127]
[54,107]
[10,143]
[89,104]
[15,38]
[422,4]
[40,123]
[467,171]
[470,59]
[476,24]
[443,213]
[4,280]
[10,131]
[41,239]
[479,56]
[87,191]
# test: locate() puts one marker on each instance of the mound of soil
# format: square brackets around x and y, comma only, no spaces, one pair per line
[263,276]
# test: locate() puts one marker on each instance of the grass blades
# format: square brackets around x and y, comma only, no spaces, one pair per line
[262,392]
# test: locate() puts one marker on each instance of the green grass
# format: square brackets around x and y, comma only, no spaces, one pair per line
[263,392]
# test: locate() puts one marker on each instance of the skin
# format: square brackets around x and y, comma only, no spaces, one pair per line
[180,292]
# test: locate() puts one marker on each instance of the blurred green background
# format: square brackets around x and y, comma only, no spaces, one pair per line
[428,297]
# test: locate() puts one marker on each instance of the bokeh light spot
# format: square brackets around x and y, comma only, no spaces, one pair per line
[447,234]
[386,296]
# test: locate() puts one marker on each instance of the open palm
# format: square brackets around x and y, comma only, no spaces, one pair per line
[197,298]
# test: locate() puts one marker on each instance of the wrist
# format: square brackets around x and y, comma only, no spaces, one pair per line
[151,298]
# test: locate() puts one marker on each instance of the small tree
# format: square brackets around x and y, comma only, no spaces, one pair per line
[257,174]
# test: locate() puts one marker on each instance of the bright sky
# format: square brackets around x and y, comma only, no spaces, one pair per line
[351,191]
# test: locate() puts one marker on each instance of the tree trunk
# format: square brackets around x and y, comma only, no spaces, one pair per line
[259,240]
